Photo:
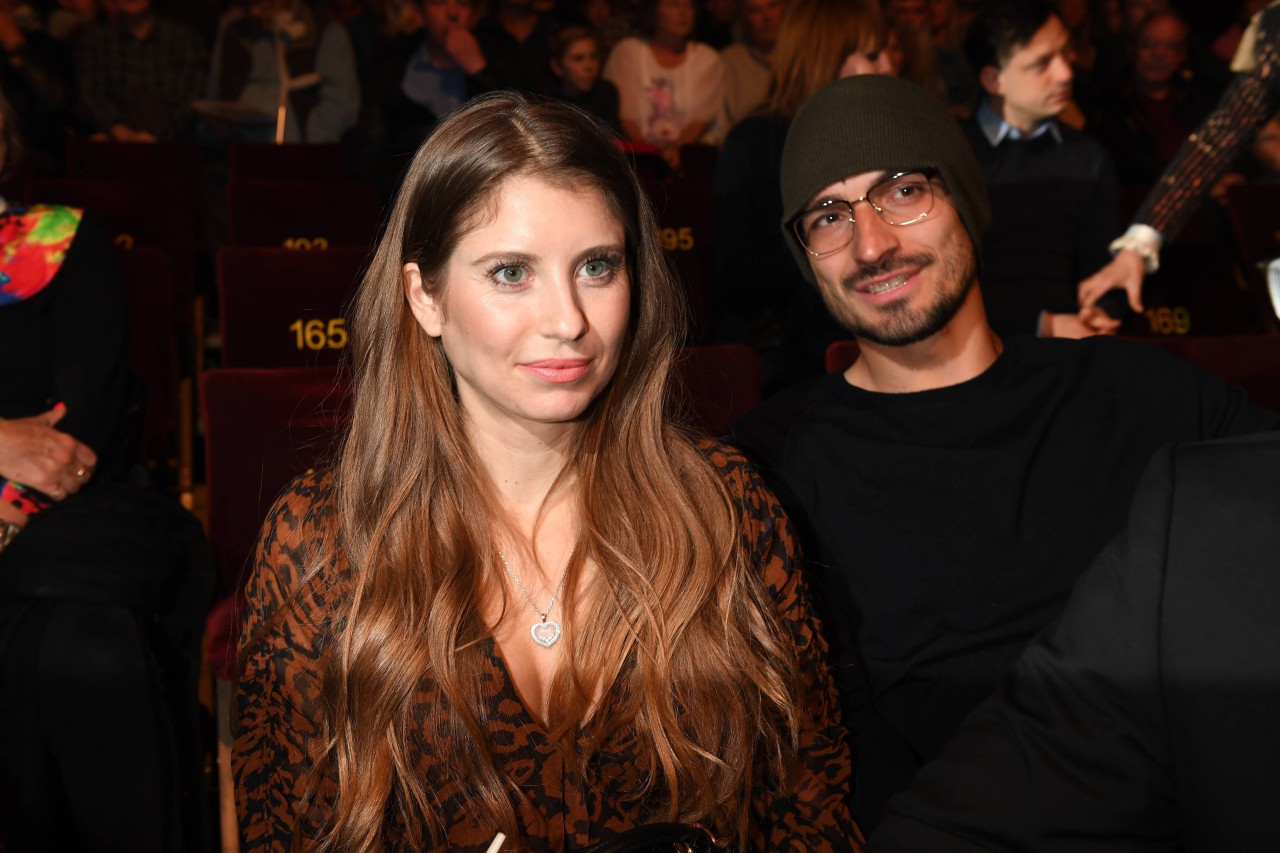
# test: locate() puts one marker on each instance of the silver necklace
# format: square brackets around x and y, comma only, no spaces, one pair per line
[545,631]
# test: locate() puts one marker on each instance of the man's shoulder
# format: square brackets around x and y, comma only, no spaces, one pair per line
[765,431]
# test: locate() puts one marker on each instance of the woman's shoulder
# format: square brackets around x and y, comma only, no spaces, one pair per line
[739,475]
[296,526]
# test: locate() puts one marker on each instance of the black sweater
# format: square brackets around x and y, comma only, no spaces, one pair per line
[946,527]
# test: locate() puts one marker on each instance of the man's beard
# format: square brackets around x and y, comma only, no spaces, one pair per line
[896,323]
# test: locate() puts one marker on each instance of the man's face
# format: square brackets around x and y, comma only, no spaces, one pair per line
[1035,80]
[1160,52]
[762,18]
[896,285]
[912,13]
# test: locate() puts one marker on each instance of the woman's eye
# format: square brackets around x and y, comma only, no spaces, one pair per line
[511,274]
[596,268]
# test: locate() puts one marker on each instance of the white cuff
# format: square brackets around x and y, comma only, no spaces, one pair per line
[1144,240]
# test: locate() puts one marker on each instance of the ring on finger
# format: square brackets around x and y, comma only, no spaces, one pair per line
[80,472]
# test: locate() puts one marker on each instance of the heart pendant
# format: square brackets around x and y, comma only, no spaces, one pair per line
[545,633]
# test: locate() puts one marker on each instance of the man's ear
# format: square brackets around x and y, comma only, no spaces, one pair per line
[426,308]
[989,77]
[557,67]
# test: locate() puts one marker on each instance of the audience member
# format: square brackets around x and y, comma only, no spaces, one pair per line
[949,486]
[747,63]
[1207,155]
[1144,124]
[36,78]
[515,336]
[1053,190]
[670,87]
[424,76]
[103,584]
[760,298]
[931,38]
[515,39]
[321,91]
[68,18]
[575,61]
[138,75]
[1145,718]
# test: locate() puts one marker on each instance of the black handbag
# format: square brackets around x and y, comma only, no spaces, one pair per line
[658,838]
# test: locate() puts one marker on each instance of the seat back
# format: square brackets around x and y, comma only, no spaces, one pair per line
[262,429]
[146,274]
[685,210]
[717,384]
[284,308]
[181,161]
[292,161]
[841,355]
[303,214]
[137,212]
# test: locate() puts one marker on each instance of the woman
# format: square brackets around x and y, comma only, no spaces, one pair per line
[522,601]
[756,277]
[100,604]
[669,86]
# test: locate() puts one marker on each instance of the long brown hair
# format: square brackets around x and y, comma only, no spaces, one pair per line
[678,621]
[813,40]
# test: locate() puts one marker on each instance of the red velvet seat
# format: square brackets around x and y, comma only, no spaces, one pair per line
[146,274]
[181,161]
[841,355]
[1254,213]
[292,161]
[262,429]
[685,210]
[283,308]
[717,384]
[303,214]
[137,213]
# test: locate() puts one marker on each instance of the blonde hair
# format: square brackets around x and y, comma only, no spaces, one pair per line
[813,41]
[683,642]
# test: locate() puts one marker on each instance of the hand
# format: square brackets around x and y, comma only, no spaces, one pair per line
[1069,326]
[1100,321]
[35,454]
[1229,180]
[1125,272]
[464,50]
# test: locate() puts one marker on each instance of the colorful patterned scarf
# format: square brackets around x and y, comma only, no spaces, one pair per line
[33,244]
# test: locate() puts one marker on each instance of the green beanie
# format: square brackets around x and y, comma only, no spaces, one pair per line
[869,123]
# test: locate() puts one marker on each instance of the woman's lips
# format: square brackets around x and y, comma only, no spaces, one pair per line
[558,370]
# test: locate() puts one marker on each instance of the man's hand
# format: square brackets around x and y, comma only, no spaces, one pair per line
[35,454]
[1125,272]
[1077,325]
[464,50]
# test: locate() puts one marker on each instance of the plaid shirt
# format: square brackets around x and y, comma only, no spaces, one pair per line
[146,84]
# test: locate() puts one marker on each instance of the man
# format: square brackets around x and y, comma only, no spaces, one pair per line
[1146,718]
[1053,190]
[950,486]
[747,68]
[516,39]
[138,74]
[319,70]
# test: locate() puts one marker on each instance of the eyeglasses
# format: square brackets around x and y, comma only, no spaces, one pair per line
[902,199]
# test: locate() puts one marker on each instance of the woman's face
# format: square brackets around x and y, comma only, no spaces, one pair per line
[534,305]
[580,64]
[871,59]
[674,18]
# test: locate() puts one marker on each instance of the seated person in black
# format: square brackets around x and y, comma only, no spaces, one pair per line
[103,583]
[576,60]
[950,486]
[1145,718]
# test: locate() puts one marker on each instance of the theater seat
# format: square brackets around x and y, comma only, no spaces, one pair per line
[303,214]
[841,355]
[283,308]
[292,161]
[685,210]
[717,384]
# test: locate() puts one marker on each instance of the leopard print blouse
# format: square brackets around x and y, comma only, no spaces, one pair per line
[279,698]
